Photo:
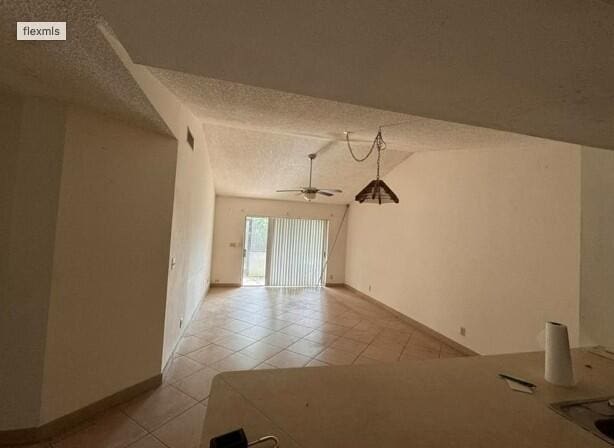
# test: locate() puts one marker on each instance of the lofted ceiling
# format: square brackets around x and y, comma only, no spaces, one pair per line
[541,68]
[259,138]
[274,81]
[256,164]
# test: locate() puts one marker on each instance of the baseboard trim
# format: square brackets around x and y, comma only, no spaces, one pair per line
[335,285]
[440,337]
[59,425]
[225,285]
[187,323]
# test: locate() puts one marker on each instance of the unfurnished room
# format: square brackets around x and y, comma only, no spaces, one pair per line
[296,224]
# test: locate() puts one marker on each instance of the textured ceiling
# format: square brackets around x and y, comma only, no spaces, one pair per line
[254,164]
[542,68]
[259,138]
[259,109]
[82,70]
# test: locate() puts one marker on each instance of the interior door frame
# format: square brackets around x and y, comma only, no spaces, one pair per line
[244,249]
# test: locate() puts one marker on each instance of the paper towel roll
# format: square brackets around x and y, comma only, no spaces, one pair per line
[559,370]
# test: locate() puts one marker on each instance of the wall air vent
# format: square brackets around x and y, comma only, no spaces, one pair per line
[190,139]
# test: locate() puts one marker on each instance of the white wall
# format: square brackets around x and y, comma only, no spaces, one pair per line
[31,145]
[194,206]
[597,283]
[92,307]
[92,209]
[106,315]
[484,239]
[192,235]
[230,217]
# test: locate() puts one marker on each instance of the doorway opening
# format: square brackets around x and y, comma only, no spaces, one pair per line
[284,251]
[254,251]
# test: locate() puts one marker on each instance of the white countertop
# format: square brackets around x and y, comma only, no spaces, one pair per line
[457,402]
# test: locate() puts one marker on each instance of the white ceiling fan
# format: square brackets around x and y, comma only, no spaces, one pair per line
[310,192]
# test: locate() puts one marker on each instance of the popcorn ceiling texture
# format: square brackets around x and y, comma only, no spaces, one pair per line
[82,70]
[259,109]
[255,164]
[259,138]
[541,68]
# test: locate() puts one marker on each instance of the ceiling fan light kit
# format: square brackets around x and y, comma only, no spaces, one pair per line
[309,193]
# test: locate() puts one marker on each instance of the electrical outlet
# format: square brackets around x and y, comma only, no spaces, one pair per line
[369,288]
[332,276]
[463,331]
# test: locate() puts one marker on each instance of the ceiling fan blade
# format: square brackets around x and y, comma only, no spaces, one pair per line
[331,190]
[288,191]
[325,193]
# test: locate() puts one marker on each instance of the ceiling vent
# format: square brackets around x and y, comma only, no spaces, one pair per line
[190,139]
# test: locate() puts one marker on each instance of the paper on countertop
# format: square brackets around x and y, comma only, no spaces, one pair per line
[519,387]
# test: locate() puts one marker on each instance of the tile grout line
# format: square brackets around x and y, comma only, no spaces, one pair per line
[405,346]
[167,421]
[147,432]
[260,411]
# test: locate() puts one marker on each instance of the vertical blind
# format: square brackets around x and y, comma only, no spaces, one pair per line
[297,250]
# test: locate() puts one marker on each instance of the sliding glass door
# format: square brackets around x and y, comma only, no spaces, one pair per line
[285,251]
[297,252]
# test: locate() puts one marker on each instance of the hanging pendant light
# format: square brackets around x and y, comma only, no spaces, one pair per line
[376,191]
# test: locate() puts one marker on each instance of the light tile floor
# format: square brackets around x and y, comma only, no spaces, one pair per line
[253,328]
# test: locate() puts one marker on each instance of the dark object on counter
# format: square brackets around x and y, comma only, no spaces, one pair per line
[237,439]
[232,439]
[517,380]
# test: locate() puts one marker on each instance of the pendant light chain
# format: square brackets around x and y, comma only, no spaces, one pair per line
[378,142]
[347,139]
[379,158]
[376,191]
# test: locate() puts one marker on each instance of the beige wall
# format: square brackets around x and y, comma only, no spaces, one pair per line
[484,239]
[230,217]
[130,201]
[194,206]
[192,235]
[32,138]
[106,315]
[92,210]
[597,281]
